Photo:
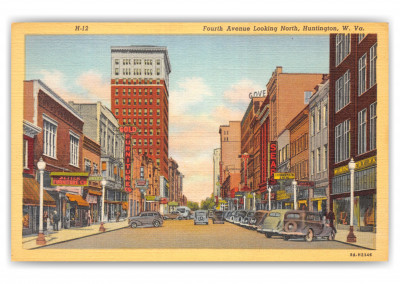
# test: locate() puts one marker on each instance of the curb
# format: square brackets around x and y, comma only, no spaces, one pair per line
[354,245]
[77,238]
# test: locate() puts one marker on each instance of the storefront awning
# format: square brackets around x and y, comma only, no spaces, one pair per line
[32,193]
[78,199]
[173,203]
[94,192]
[124,205]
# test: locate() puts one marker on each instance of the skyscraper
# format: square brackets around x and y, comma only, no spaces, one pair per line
[139,97]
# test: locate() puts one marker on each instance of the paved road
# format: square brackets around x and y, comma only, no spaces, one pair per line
[183,234]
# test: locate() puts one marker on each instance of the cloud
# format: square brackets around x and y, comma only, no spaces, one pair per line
[94,87]
[238,94]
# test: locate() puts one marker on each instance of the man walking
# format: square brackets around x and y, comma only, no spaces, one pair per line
[56,220]
[331,219]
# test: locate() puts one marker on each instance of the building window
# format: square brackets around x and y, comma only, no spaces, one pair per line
[342,141]
[312,163]
[325,157]
[158,102]
[151,131]
[129,101]
[116,101]
[158,91]
[312,124]
[158,61]
[74,149]
[151,121]
[134,141]
[342,91]
[158,122]
[25,154]
[372,65]
[116,91]
[123,111]
[318,120]
[49,138]
[360,37]
[362,131]
[372,126]
[342,47]
[158,131]
[116,61]
[140,111]
[151,101]
[325,115]
[116,111]
[158,162]
[158,112]
[307,96]
[87,166]
[116,71]
[95,168]
[318,160]
[158,72]
[129,111]
[362,74]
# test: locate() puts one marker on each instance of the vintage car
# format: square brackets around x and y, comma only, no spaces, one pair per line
[239,216]
[218,217]
[172,215]
[146,219]
[257,219]
[246,219]
[201,217]
[307,225]
[227,215]
[273,223]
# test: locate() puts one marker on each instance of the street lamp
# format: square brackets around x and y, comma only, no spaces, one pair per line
[103,184]
[294,183]
[41,165]
[351,238]
[269,198]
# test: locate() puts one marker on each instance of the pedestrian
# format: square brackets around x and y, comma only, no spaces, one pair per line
[331,219]
[89,220]
[108,215]
[45,216]
[118,215]
[56,219]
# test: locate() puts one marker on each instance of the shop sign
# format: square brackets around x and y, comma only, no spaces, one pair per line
[305,183]
[284,176]
[150,197]
[362,164]
[272,159]
[69,179]
[238,194]
[258,94]
[95,178]
[164,200]
[282,194]
[320,192]
[128,130]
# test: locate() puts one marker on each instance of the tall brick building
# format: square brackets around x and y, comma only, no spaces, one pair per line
[352,127]
[139,96]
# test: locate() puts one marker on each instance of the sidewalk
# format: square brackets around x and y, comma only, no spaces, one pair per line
[29,242]
[364,239]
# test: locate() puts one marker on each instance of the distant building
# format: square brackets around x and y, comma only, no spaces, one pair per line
[319,148]
[216,172]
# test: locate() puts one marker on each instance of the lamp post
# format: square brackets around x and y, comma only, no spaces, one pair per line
[41,165]
[351,238]
[269,197]
[294,183]
[103,184]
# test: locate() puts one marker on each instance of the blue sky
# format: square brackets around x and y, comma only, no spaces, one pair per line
[209,83]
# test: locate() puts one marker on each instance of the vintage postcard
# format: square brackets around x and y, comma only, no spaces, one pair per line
[199,141]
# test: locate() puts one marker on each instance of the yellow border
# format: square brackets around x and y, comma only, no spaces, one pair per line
[20,30]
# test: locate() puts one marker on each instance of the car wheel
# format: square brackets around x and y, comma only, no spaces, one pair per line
[331,236]
[179,218]
[133,225]
[291,227]
[165,217]
[268,235]
[286,238]
[156,223]
[310,235]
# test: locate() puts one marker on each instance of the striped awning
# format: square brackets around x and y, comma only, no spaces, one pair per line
[32,194]
[78,199]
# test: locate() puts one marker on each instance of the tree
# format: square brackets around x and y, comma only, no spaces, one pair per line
[193,205]
[208,203]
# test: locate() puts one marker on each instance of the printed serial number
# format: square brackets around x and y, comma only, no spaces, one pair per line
[81,28]
[360,254]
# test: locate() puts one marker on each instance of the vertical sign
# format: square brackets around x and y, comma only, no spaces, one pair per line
[272,159]
[128,130]
[245,157]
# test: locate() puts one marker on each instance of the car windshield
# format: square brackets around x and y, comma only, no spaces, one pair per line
[274,214]
[259,214]
[181,210]
[250,214]
[242,213]
[201,213]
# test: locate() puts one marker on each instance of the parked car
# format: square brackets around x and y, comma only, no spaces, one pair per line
[201,217]
[172,216]
[227,215]
[273,223]
[307,225]
[218,217]
[246,219]
[257,219]
[239,216]
[146,219]
[210,213]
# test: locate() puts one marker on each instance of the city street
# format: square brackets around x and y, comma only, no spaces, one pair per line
[184,234]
